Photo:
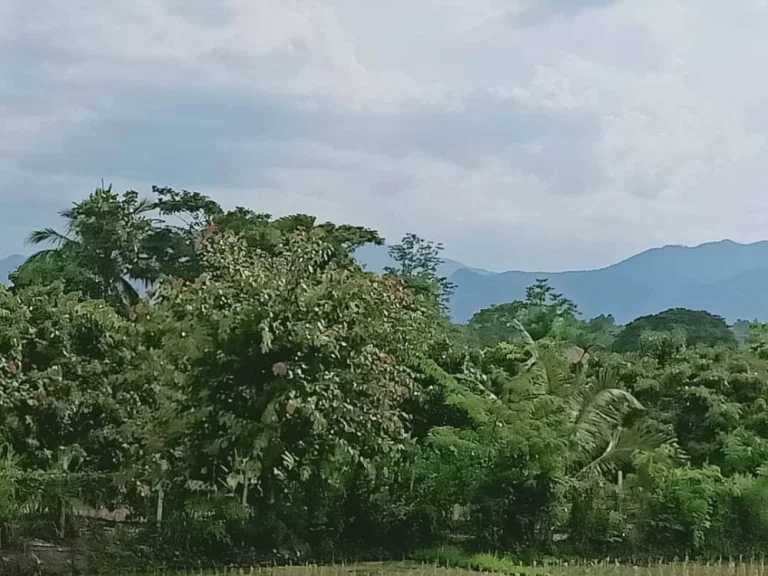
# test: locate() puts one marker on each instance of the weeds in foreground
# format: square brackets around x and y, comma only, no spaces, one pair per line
[466,565]
[450,557]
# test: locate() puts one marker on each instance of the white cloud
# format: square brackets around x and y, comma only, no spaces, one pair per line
[545,134]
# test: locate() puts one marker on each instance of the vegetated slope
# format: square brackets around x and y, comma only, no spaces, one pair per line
[725,278]
[8,265]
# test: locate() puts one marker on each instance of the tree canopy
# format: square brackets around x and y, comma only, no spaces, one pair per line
[242,389]
[699,327]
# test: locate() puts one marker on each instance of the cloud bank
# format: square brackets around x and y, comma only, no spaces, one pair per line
[537,134]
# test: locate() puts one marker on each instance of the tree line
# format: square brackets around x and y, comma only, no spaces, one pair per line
[243,390]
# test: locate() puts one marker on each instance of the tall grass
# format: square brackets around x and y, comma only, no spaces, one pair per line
[454,557]
[494,564]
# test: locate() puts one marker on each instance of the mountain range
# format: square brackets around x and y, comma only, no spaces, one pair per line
[8,265]
[724,278]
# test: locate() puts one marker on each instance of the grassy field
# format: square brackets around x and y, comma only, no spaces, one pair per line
[724,568]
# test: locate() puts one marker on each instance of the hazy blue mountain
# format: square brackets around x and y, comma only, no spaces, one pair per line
[725,278]
[8,265]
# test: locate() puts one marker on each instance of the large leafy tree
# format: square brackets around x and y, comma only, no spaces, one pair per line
[700,327]
[418,261]
[497,454]
[187,214]
[296,358]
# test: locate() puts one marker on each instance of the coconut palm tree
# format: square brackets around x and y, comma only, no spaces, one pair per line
[103,247]
[601,436]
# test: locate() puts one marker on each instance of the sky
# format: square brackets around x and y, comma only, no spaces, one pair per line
[522,134]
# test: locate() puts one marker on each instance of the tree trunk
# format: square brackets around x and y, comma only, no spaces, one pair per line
[62,519]
[245,488]
[159,511]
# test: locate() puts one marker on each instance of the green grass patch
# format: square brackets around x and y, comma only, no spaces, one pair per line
[450,556]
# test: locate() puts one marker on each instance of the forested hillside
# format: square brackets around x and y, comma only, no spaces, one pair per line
[270,400]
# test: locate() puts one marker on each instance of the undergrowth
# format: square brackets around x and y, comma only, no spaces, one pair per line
[450,556]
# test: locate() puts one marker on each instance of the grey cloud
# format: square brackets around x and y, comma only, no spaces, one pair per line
[571,6]
[536,12]
[201,12]
[199,138]
[391,184]
[553,146]
[30,85]
[578,131]
[226,139]
[216,136]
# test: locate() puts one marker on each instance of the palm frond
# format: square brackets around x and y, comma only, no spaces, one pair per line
[599,415]
[70,219]
[599,409]
[556,374]
[604,399]
[474,384]
[542,367]
[623,445]
[126,291]
[69,213]
[41,255]
[49,236]
[145,205]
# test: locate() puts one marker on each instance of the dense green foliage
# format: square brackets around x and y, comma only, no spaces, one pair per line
[268,398]
[697,327]
[541,310]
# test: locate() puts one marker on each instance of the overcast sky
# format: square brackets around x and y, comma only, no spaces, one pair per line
[533,134]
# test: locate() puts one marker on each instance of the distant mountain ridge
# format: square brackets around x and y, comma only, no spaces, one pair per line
[9,265]
[724,278]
